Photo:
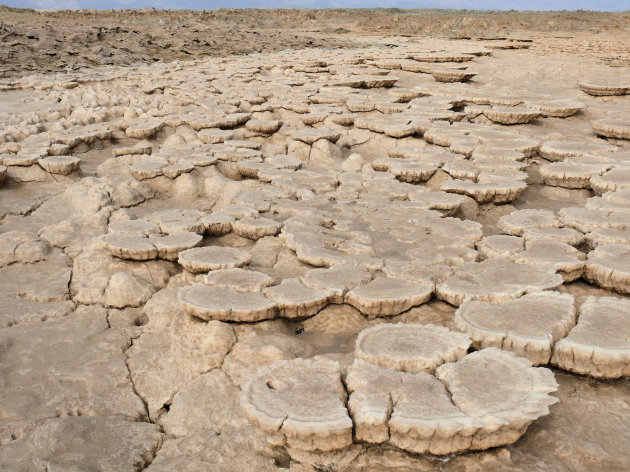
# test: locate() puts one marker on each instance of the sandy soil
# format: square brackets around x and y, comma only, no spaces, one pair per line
[109,364]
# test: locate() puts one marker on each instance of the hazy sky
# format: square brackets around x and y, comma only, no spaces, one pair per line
[600,5]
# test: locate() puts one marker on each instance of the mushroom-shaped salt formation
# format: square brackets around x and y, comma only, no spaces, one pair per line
[612,128]
[582,219]
[238,279]
[496,154]
[496,395]
[300,404]
[559,149]
[242,143]
[571,173]
[495,280]
[204,259]
[296,300]
[129,246]
[399,130]
[147,169]
[237,155]
[339,279]
[173,171]
[263,126]
[170,245]
[176,219]
[488,188]
[448,203]
[422,419]
[376,81]
[605,86]
[599,345]
[142,147]
[613,180]
[564,258]
[560,108]
[202,160]
[442,56]
[528,326]
[511,115]
[618,197]
[240,211]
[500,245]
[214,136]
[388,296]
[608,236]
[140,227]
[519,221]
[20,160]
[452,75]
[417,271]
[412,171]
[280,161]
[608,266]
[564,235]
[463,170]
[410,348]
[256,228]
[214,303]
[251,167]
[63,165]
[310,135]
[145,130]
[501,390]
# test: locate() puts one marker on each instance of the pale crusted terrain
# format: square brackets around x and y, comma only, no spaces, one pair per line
[409,254]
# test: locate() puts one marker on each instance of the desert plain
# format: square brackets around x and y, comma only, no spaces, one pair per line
[338,240]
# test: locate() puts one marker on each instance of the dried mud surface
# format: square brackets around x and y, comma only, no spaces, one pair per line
[196,208]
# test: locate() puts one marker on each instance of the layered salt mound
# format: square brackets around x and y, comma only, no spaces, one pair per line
[599,345]
[528,326]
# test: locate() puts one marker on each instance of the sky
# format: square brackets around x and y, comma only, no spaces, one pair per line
[599,5]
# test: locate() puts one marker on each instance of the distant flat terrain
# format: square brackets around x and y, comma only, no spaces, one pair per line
[41,41]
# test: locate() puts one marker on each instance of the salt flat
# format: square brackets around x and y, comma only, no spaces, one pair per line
[408,254]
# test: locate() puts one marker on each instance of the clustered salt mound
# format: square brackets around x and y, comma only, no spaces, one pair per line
[302,403]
